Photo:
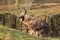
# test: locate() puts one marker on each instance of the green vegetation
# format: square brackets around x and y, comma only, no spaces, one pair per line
[7,33]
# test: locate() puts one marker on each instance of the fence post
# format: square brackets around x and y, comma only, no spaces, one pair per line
[47,19]
[21,25]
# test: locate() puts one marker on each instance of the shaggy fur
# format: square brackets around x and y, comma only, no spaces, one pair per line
[39,26]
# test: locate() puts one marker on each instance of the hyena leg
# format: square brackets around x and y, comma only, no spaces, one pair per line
[32,32]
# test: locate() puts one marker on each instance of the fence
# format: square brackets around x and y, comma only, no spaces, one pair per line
[11,21]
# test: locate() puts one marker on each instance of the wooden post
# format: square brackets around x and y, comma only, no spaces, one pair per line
[21,26]
[47,19]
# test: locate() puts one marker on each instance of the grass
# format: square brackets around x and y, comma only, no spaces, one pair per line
[7,33]
[11,34]
[38,12]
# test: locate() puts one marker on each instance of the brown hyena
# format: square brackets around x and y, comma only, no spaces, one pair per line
[40,27]
[36,25]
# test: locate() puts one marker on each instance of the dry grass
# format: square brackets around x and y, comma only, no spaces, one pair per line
[41,11]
